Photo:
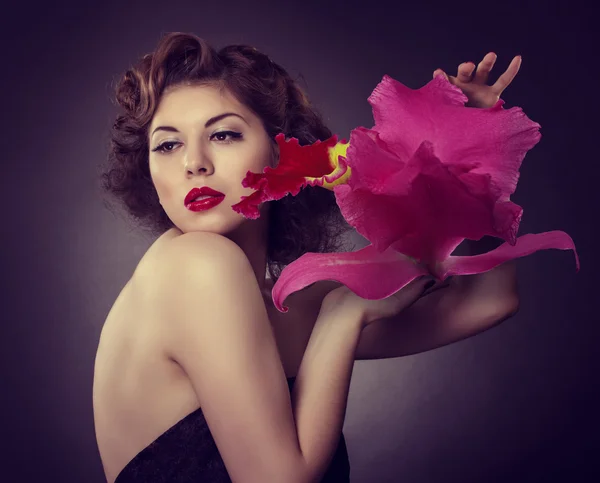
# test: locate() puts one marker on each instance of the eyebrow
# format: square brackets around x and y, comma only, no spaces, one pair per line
[210,122]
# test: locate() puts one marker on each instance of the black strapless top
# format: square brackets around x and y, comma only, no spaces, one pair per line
[187,452]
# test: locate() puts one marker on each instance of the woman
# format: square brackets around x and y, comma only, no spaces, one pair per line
[193,341]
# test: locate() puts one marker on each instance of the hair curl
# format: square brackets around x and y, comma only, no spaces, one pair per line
[308,222]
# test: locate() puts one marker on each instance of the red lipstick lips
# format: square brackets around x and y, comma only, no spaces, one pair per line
[211,198]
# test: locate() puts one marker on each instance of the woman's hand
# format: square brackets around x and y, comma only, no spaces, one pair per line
[473,82]
[342,298]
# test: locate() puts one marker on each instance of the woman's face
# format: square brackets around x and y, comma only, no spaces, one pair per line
[202,136]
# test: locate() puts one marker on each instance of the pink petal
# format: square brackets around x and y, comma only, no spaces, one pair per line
[525,245]
[423,210]
[372,161]
[494,139]
[367,272]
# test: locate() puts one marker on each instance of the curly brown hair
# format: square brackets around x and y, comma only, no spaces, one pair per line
[308,222]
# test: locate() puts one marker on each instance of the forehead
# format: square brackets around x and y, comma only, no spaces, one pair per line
[196,104]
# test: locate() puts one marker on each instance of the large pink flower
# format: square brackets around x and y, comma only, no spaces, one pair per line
[430,173]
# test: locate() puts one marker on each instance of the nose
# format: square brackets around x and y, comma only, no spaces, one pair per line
[196,161]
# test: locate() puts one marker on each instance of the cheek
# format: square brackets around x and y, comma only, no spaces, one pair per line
[266,157]
[254,162]
[161,182]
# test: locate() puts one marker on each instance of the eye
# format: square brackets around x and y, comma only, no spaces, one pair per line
[222,136]
[162,148]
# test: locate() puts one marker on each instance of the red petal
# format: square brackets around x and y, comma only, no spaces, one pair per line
[298,167]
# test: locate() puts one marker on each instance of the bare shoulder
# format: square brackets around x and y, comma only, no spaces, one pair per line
[195,264]
[220,335]
[192,243]
[176,251]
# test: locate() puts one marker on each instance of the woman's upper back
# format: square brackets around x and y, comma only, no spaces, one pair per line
[140,392]
[137,389]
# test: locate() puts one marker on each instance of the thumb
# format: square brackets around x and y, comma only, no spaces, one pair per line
[428,285]
[421,283]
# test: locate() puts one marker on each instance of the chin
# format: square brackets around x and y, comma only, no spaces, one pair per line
[218,225]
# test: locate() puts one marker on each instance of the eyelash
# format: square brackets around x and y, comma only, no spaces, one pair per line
[235,136]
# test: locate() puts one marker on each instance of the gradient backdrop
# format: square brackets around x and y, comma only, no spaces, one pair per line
[518,403]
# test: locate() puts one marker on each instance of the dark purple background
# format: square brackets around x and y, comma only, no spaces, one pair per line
[518,403]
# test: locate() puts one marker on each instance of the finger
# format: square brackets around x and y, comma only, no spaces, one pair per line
[437,285]
[438,72]
[465,71]
[505,79]
[484,67]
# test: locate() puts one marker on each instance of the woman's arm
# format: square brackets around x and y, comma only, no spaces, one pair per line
[320,393]
[206,299]
[456,309]
[444,316]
